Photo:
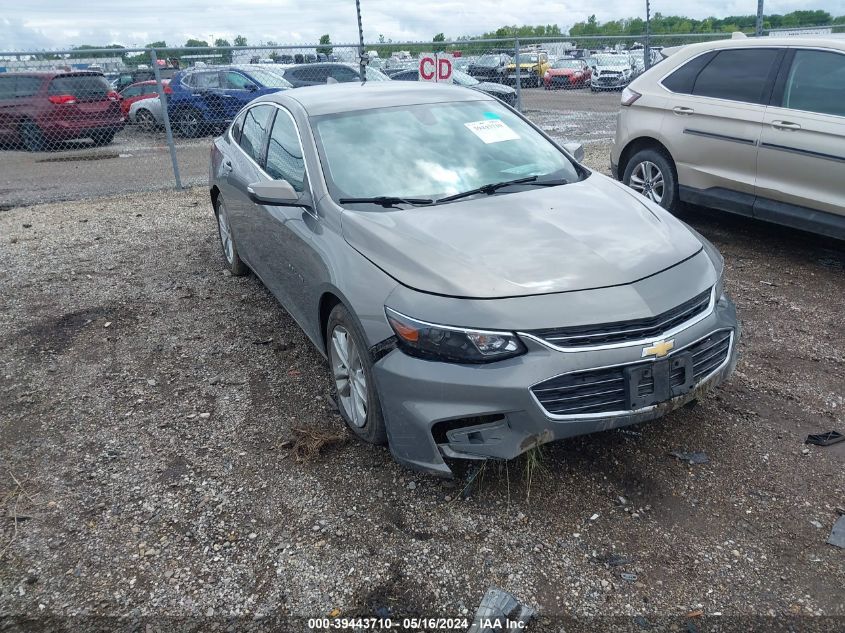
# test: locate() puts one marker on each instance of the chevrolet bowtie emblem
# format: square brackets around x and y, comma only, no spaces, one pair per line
[659,349]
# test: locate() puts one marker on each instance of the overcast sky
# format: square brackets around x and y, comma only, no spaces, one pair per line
[45,24]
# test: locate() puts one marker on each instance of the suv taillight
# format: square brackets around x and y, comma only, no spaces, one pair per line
[62,99]
[629,96]
[167,89]
[114,96]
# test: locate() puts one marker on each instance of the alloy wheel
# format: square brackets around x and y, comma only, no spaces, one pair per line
[647,179]
[225,233]
[188,124]
[145,121]
[349,377]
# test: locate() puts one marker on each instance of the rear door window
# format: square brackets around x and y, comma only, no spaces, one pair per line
[206,81]
[738,75]
[83,87]
[27,86]
[816,83]
[256,122]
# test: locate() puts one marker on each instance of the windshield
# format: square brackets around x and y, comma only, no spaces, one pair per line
[567,63]
[462,79]
[488,60]
[432,150]
[269,79]
[612,60]
[524,58]
[374,74]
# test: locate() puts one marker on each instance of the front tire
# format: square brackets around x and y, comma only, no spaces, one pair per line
[651,173]
[231,259]
[352,371]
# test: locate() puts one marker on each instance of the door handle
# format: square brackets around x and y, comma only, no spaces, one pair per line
[785,125]
[682,110]
[227,165]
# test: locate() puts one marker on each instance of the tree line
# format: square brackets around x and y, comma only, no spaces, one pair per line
[660,25]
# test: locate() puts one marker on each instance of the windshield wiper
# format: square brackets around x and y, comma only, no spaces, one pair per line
[387,201]
[494,187]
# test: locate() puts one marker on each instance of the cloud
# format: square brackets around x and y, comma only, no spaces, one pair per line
[39,24]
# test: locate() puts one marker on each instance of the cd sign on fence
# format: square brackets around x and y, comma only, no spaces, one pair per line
[435,67]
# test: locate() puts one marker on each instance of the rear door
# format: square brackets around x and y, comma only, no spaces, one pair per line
[802,148]
[246,156]
[207,97]
[713,123]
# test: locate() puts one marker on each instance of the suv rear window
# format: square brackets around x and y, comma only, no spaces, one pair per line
[738,75]
[83,87]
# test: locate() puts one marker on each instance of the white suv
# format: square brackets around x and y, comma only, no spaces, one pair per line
[750,126]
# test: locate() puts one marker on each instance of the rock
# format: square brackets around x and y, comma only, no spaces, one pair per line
[816,524]
[205,415]
[253,536]
[412,485]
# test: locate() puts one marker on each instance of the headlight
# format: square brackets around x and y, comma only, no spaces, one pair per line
[452,344]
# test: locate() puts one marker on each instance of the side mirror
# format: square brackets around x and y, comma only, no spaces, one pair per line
[576,149]
[250,87]
[278,193]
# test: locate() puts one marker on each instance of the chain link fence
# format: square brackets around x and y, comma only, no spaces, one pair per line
[97,122]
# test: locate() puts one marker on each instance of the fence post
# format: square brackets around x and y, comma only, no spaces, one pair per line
[518,79]
[166,116]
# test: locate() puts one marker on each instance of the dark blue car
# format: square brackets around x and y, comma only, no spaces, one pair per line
[208,97]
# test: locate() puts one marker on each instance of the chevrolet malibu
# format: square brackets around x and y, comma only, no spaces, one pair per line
[476,291]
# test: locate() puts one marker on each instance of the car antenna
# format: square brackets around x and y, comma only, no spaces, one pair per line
[362,64]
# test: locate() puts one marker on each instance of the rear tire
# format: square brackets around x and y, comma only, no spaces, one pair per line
[651,172]
[354,382]
[146,121]
[189,123]
[32,138]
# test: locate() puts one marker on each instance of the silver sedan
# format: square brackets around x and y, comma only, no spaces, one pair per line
[476,291]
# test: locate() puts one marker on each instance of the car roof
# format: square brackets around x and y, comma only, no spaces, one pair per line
[746,42]
[350,96]
[54,73]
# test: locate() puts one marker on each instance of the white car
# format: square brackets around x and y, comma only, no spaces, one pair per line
[147,114]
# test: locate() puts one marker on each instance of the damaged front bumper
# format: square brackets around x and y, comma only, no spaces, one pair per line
[436,410]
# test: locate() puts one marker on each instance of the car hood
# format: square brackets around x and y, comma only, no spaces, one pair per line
[564,71]
[618,69]
[489,86]
[591,234]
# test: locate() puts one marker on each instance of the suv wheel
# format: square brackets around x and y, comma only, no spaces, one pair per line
[32,138]
[652,173]
[188,123]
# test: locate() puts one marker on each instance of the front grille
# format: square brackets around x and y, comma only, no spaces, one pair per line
[624,331]
[594,391]
[610,389]
[708,354]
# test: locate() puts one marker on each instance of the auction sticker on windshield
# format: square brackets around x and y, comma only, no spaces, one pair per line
[492,131]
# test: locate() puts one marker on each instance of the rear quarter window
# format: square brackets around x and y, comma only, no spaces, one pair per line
[683,79]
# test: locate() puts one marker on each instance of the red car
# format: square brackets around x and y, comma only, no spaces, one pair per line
[38,110]
[567,73]
[138,91]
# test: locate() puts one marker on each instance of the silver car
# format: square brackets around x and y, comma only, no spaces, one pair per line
[476,291]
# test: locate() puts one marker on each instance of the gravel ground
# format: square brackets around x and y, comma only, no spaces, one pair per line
[168,450]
